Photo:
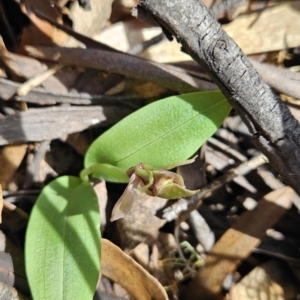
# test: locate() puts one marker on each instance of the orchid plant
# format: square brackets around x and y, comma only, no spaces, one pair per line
[63,241]
[154,182]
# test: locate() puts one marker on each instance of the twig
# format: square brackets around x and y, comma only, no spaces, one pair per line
[184,207]
[42,97]
[25,87]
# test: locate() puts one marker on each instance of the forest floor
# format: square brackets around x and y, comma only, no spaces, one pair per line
[68,73]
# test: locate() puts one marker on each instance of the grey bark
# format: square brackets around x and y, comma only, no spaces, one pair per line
[274,130]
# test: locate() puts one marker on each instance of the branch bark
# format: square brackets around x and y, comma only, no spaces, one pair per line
[274,130]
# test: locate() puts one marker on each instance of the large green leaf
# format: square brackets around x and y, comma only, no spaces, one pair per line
[162,133]
[62,248]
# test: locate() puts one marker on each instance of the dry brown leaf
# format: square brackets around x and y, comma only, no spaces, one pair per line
[272,29]
[271,280]
[41,31]
[122,269]
[90,22]
[141,224]
[10,160]
[238,242]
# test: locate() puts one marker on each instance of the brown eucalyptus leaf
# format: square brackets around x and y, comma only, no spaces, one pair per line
[122,269]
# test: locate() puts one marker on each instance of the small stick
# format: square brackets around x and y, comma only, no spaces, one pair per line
[27,86]
[184,207]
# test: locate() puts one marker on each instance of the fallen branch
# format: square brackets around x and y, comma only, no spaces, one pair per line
[274,130]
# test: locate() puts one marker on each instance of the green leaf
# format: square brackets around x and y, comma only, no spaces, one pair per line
[62,249]
[162,133]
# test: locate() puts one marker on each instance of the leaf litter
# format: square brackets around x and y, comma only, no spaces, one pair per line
[77,103]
